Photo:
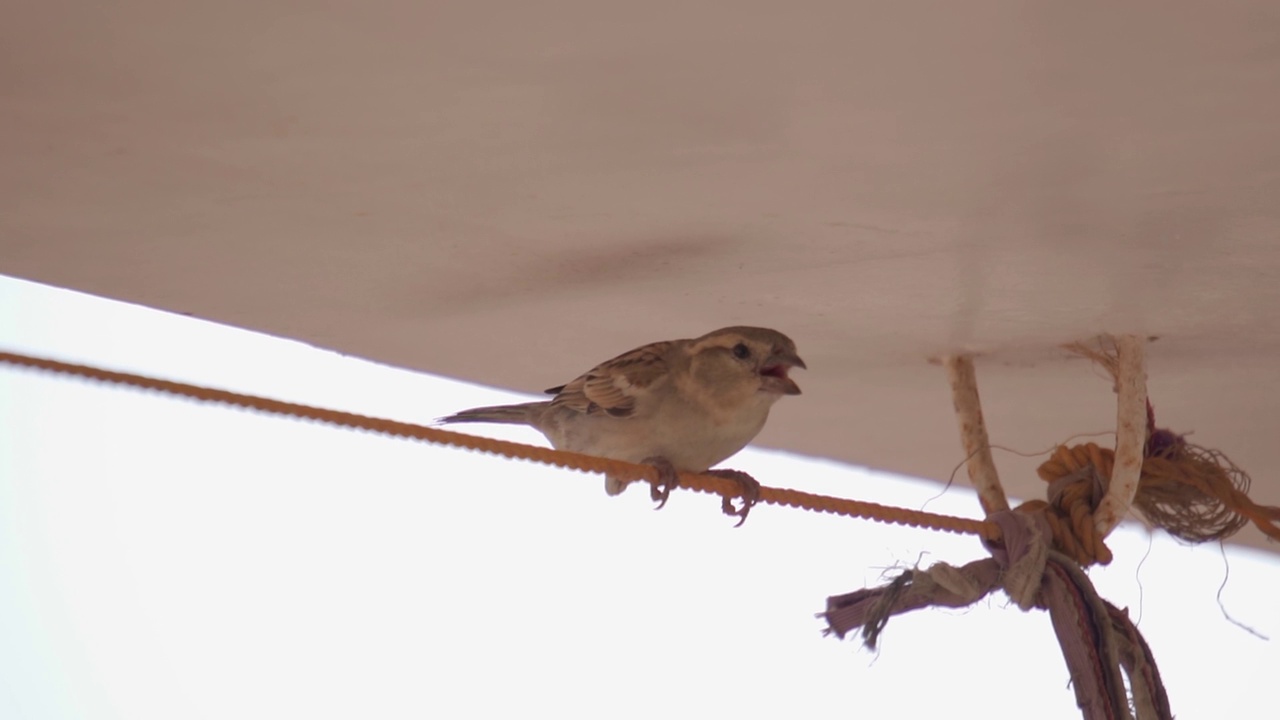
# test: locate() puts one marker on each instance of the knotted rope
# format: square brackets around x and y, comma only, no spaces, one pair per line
[1194,494]
[1037,549]
[1098,640]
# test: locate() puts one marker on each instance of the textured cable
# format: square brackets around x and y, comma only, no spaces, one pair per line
[574,461]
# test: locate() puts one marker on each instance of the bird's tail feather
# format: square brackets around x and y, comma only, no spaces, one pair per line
[522,414]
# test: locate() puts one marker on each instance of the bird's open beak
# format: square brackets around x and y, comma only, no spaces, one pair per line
[775,370]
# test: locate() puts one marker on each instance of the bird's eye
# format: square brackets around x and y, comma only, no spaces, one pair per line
[741,351]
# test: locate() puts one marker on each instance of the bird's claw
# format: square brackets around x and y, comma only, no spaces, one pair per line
[668,480]
[750,490]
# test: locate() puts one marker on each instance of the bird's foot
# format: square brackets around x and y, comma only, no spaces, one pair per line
[668,480]
[750,490]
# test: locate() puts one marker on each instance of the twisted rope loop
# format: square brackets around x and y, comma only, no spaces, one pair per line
[1077,478]
[1194,494]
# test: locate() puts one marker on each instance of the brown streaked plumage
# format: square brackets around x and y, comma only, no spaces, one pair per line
[681,405]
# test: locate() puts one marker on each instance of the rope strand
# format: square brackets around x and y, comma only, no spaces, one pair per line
[575,461]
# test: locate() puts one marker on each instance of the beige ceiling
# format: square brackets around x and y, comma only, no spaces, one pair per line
[508,192]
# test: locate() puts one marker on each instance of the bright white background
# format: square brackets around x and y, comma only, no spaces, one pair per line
[161,559]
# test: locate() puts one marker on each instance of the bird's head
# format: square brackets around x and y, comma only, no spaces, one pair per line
[735,360]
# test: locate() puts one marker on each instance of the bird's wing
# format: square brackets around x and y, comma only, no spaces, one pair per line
[613,386]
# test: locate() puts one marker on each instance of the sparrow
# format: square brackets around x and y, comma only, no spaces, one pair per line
[677,405]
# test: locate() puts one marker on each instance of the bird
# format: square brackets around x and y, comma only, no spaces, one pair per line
[677,405]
